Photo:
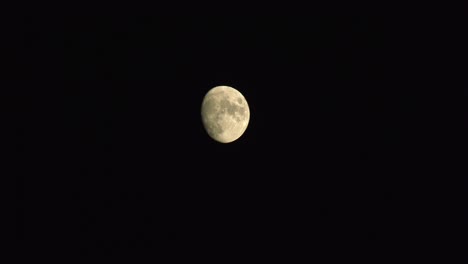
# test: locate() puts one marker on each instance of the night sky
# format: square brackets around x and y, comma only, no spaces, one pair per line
[121,163]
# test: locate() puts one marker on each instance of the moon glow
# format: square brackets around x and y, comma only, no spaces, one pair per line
[225,114]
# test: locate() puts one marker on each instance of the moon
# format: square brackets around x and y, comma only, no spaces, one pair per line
[225,114]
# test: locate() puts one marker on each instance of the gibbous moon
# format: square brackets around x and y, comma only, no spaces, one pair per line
[225,114]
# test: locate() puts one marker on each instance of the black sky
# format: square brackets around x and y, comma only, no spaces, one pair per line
[124,165]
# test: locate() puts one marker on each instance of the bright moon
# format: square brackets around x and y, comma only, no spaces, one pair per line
[225,114]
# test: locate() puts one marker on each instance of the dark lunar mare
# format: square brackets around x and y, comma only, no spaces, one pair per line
[232,108]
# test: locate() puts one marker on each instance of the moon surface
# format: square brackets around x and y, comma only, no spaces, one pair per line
[225,114]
